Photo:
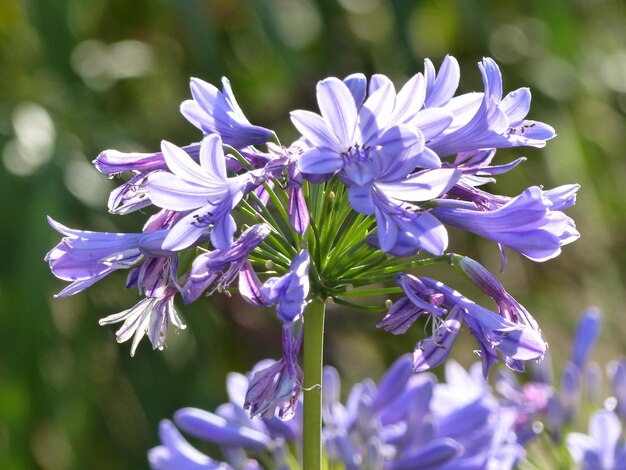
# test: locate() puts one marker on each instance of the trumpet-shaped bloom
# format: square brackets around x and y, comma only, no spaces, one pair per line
[274,390]
[527,223]
[217,112]
[203,191]
[287,292]
[516,342]
[152,316]
[487,120]
[219,268]
[85,257]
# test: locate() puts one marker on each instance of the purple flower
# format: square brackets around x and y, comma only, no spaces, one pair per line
[587,331]
[617,374]
[516,342]
[85,257]
[600,449]
[287,292]
[404,421]
[176,453]
[349,136]
[152,316]
[216,269]
[486,120]
[217,112]
[508,307]
[526,223]
[202,189]
[276,388]
[375,145]
[113,162]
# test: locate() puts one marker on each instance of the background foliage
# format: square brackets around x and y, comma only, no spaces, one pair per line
[77,77]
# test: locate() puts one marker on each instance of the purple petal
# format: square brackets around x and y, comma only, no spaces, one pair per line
[432,121]
[223,231]
[436,453]
[212,157]
[315,129]
[360,198]
[516,105]
[171,192]
[409,100]
[585,337]
[357,84]
[299,216]
[431,352]
[387,230]
[320,161]
[423,186]
[183,166]
[186,231]
[213,428]
[338,108]
[441,89]
[375,113]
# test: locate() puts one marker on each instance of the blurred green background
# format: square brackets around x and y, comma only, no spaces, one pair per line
[77,77]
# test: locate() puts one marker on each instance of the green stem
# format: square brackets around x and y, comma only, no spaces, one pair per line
[312,387]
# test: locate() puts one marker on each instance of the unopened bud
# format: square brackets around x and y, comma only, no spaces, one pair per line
[329,300]
[332,196]
[388,303]
[269,264]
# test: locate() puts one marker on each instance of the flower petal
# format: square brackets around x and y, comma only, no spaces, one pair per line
[320,161]
[315,129]
[338,108]
[423,186]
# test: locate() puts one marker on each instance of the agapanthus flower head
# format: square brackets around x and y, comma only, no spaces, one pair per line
[405,421]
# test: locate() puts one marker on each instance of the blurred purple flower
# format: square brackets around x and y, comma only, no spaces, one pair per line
[600,449]
[587,331]
[406,421]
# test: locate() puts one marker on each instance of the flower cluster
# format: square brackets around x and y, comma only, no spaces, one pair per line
[556,410]
[406,421]
[361,197]
[412,421]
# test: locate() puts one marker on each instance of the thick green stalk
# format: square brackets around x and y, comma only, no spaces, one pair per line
[312,387]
